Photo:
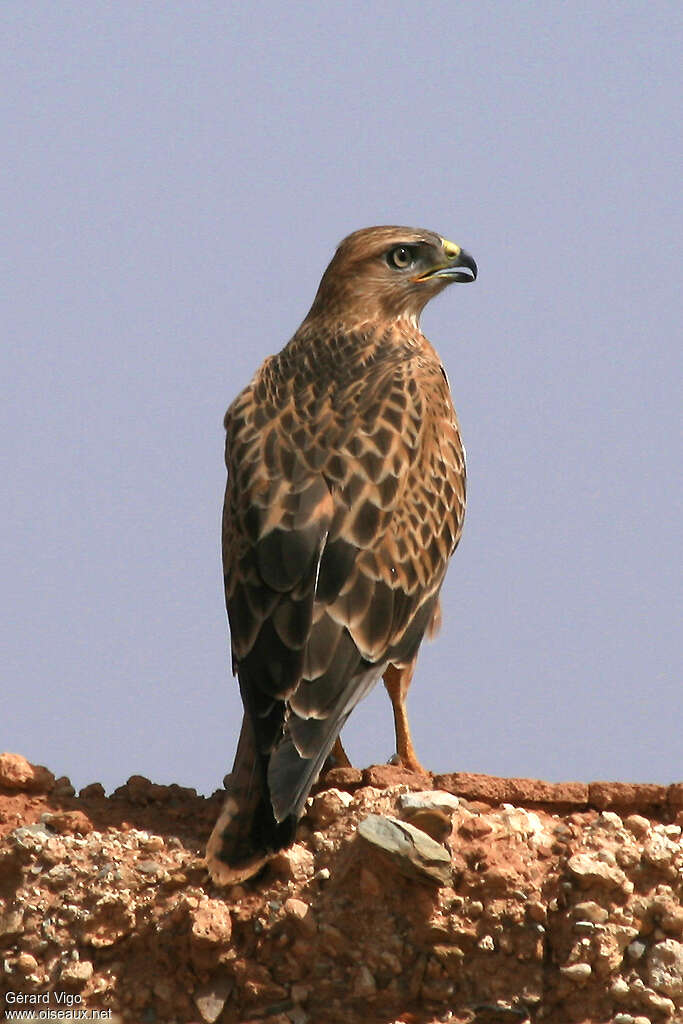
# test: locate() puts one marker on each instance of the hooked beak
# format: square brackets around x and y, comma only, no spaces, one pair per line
[458,266]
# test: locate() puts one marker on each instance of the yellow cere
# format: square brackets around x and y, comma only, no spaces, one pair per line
[450,248]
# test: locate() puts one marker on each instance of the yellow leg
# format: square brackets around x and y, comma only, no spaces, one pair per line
[397,681]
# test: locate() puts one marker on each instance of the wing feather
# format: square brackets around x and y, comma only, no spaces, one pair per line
[336,537]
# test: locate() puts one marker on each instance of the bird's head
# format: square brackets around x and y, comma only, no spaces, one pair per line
[383,273]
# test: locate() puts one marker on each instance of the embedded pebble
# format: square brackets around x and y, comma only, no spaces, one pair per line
[665,967]
[327,806]
[211,997]
[591,871]
[428,800]
[590,911]
[302,914]
[577,972]
[364,984]
[636,950]
[77,973]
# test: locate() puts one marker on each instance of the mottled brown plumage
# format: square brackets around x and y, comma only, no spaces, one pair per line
[345,500]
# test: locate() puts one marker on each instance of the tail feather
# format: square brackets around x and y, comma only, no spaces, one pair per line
[246,833]
[267,792]
[298,759]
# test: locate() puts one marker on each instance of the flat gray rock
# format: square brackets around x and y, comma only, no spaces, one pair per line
[412,851]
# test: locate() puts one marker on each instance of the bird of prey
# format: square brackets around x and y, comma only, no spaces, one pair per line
[344,503]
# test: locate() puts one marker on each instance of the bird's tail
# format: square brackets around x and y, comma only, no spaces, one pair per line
[246,833]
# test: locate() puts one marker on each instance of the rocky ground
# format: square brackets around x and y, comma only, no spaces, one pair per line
[407,898]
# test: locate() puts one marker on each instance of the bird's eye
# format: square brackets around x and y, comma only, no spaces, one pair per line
[400,257]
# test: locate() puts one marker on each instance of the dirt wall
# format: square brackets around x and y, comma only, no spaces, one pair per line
[406,898]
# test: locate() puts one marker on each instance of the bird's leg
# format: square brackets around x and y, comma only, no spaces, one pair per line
[339,754]
[397,682]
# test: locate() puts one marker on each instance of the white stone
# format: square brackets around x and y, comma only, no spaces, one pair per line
[577,972]
[637,824]
[590,870]
[590,911]
[520,821]
[636,950]
[619,988]
[610,821]
[344,798]
[437,799]
[665,967]
[211,997]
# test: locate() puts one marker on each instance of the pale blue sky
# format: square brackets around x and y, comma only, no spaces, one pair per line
[175,178]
